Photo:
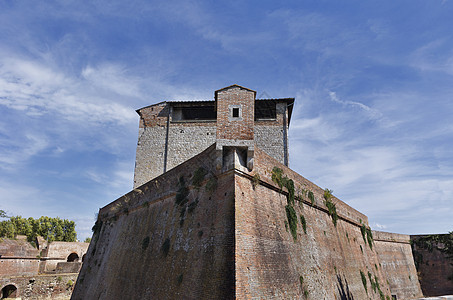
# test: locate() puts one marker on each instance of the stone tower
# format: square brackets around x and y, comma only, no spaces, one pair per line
[172,132]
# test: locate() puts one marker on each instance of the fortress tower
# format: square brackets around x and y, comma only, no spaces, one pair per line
[171,132]
[216,213]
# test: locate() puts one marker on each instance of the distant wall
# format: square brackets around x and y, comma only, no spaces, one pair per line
[435,268]
[395,256]
[18,257]
[37,287]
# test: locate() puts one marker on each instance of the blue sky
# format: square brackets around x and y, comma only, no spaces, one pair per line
[373,82]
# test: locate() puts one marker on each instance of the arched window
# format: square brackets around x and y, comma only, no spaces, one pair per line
[9,291]
[73,257]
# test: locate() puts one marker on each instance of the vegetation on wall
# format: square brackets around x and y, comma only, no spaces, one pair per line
[182,192]
[367,235]
[166,247]
[198,177]
[292,220]
[311,196]
[51,229]
[332,209]
[211,185]
[440,242]
[255,180]
[304,223]
[364,281]
[283,181]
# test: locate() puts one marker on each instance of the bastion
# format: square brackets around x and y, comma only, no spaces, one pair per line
[216,213]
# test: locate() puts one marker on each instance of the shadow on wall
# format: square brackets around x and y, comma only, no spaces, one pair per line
[343,289]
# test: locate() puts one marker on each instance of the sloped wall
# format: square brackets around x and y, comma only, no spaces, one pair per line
[395,256]
[149,247]
[323,263]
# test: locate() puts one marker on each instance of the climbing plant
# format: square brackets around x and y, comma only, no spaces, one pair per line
[332,209]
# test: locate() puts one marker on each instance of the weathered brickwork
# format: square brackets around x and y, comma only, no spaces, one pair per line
[187,141]
[233,243]
[228,126]
[219,226]
[166,139]
[55,287]
[270,139]
[269,263]
[129,254]
[395,256]
[435,268]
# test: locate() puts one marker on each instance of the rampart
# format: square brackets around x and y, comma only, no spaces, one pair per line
[233,222]
[229,239]
[395,256]
[434,262]
[30,273]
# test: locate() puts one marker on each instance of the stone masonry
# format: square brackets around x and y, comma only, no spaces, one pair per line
[167,137]
[219,225]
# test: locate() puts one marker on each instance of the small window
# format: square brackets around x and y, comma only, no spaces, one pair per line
[235,112]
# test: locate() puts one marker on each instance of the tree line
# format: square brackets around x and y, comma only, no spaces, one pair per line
[51,229]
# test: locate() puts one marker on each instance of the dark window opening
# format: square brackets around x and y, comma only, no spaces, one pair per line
[235,112]
[9,291]
[73,257]
[194,113]
[265,110]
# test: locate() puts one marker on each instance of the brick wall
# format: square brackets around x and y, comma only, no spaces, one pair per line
[269,263]
[233,243]
[37,287]
[127,257]
[395,256]
[435,268]
[228,127]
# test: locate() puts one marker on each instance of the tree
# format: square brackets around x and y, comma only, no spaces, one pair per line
[3,214]
[51,229]
[87,240]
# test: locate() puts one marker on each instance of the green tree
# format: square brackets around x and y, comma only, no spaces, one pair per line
[52,229]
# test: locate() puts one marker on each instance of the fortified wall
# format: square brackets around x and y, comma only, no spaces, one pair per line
[433,255]
[50,270]
[234,222]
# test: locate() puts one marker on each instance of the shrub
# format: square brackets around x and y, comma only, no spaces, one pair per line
[364,281]
[182,193]
[198,177]
[211,185]
[304,223]
[311,196]
[166,247]
[145,243]
[255,180]
[292,220]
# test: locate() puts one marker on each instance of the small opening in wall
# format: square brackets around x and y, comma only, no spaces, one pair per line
[9,291]
[235,112]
